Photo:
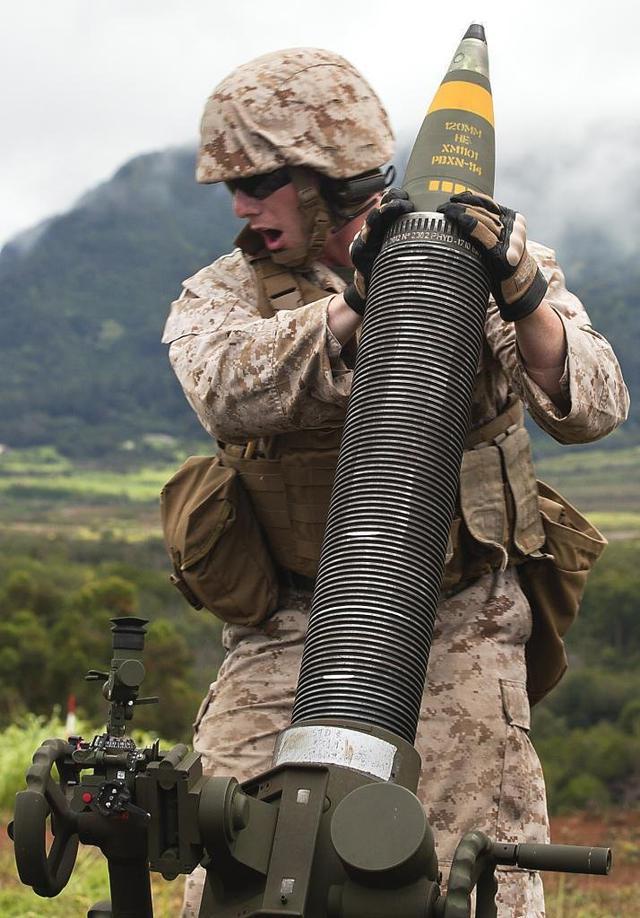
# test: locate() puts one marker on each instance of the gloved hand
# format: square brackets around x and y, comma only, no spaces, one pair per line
[368,240]
[516,281]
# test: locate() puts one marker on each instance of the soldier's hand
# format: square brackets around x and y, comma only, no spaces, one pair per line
[367,243]
[501,236]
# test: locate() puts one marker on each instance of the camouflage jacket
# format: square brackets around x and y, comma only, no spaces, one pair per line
[248,377]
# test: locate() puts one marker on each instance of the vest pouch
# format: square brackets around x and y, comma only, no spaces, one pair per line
[218,552]
[261,480]
[290,494]
[308,477]
[553,581]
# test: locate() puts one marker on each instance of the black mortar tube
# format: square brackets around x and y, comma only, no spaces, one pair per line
[374,605]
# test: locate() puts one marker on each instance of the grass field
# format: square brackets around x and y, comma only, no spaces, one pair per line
[572,896]
[43,492]
[605,484]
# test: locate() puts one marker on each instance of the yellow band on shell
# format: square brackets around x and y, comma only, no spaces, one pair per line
[463,96]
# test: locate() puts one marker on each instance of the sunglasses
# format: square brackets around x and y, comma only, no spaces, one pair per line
[261,186]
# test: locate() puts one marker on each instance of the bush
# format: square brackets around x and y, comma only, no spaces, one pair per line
[607,756]
[588,696]
[629,720]
[54,626]
[608,630]
[582,792]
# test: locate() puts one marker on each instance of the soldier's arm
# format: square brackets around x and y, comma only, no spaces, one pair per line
[342,320]
[542,345]
[590,398]
[246,376]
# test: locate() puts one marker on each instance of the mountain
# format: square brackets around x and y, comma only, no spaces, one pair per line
[84,297]
[83,302]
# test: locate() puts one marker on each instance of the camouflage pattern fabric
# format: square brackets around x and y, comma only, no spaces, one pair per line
[248,377]
[479,769]
[296,107]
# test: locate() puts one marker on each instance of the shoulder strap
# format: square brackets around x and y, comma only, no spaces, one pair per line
[281,288]
[512,416]
[277,286]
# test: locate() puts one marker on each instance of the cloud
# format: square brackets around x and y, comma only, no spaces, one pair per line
[91,85]
[587,184]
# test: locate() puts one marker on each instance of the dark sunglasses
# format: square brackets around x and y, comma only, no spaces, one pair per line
[261,186]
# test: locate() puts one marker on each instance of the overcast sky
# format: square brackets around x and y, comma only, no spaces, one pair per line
[89,83]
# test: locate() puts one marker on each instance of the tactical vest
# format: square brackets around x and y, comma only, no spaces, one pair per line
[289,476]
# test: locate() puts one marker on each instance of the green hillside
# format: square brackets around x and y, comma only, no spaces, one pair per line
[82,310]
[83,300]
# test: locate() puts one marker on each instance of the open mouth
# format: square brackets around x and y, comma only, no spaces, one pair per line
[271,237]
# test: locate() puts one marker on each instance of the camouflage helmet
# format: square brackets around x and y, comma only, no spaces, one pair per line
[300,107]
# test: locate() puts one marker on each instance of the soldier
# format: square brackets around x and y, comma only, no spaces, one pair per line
[263,344]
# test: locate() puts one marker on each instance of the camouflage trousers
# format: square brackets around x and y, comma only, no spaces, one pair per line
[479,769]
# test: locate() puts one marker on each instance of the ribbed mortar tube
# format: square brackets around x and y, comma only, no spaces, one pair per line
[394,496]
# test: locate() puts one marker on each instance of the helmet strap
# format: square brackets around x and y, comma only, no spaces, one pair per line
[316,220]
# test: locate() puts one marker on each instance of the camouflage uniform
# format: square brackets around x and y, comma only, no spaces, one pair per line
[245,377]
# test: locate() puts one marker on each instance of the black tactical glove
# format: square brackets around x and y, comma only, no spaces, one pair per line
[367,243]
[500,234]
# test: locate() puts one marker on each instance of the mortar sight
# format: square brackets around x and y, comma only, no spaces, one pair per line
[128,632]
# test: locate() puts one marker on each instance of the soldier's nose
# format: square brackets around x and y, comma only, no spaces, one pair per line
[244,205]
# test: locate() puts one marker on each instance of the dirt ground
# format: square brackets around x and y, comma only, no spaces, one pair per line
[574,896]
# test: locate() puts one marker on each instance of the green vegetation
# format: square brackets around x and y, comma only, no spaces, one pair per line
[567,896]
[81,362]
[93,485]
[19,741]
[587,732]
[82,544]
[67,565]
[100,423]
[83,309]
[592,717]
[597,479]
[616,523]
[43,492]
[572,896]
[56,599]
